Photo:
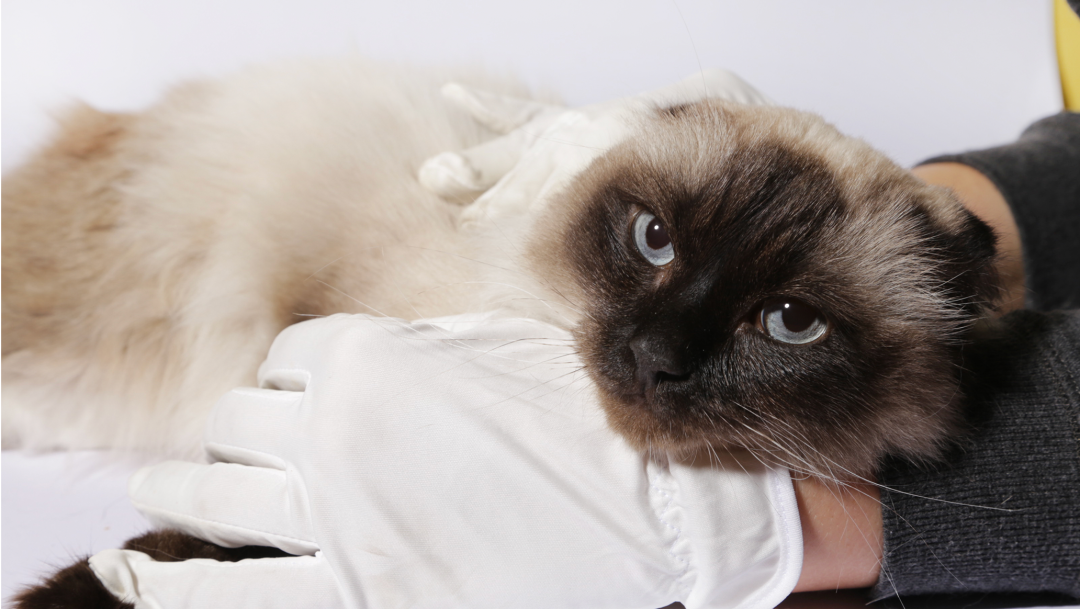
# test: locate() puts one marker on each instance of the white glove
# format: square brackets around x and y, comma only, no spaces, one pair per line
[422,465]
[546,145]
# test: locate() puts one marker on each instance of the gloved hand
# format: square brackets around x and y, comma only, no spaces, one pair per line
[450,463]
[545,145]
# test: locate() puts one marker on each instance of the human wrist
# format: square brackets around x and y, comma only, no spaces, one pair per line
[982,198]
[842,534]
[842,523]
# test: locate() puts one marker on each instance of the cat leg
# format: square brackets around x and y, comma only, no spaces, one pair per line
[76,586]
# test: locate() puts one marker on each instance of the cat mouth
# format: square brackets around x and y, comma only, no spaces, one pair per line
[683,429]
[654,418]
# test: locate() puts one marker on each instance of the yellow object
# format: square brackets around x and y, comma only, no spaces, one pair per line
[1067,33]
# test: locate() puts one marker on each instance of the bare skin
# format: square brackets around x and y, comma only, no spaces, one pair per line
[842,538]
[842,534]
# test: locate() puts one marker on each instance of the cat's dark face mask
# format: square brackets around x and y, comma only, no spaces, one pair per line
[739,290]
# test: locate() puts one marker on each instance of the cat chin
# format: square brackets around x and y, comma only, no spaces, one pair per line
[914,423]
[760,203]
[648,429]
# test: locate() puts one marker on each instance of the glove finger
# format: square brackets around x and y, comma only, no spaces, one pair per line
[252,426]
[324,344]
[497,112]
[227,504]
[301,347]
[296,582]
[459,174]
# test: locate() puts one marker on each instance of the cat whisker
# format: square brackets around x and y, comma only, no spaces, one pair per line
[533,297]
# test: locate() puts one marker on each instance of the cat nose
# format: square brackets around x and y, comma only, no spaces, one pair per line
[659,359]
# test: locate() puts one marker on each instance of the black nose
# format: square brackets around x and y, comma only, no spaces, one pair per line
[659,359]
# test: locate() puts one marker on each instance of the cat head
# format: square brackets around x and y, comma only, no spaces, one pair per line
[748,277]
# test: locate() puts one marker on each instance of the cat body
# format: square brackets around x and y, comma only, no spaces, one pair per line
[150,259]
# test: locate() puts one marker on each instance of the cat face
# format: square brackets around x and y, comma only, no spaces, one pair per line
[750,278]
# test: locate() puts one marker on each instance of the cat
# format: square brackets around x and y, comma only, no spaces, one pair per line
[734,276]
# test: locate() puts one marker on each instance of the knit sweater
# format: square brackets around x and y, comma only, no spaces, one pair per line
[1002,513]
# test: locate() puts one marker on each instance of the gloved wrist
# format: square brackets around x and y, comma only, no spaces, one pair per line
[737,555]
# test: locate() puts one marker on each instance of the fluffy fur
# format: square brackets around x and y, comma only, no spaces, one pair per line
[762,203]
[150,259]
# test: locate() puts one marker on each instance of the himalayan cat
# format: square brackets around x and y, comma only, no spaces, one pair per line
[735,276]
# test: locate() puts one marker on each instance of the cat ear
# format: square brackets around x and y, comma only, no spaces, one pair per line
[969,256]
[981,242]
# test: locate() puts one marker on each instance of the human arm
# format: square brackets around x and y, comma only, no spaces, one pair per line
[842,527]
[842,535]
[1029,192]
[999,514]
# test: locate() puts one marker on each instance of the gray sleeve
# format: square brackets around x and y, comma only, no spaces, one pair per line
[1039,176]
[1002,514]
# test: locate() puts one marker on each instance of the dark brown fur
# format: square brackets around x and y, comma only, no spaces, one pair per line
[77,586]
[900,269]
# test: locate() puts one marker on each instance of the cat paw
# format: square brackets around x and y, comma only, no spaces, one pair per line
[74,587]
[77,587]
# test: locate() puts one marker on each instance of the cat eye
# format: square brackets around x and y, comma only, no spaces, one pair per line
[789,320]
[651,239]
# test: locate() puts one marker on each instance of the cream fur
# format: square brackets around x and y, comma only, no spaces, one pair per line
[149,260]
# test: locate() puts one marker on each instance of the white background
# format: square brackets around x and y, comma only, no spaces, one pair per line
[914,78]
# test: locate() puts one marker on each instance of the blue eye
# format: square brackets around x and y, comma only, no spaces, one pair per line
[652,239]
[792,321]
